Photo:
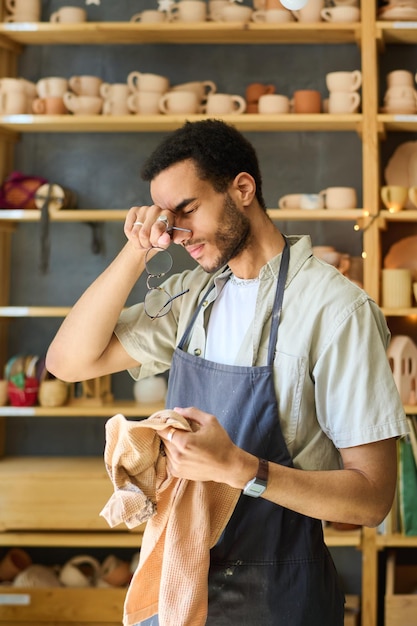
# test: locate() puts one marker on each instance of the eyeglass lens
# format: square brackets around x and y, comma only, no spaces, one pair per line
[157,300]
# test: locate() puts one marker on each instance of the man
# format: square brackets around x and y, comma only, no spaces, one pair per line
[275,358]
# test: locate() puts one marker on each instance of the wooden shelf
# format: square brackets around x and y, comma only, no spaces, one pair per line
[33,311]
[397,123]
[400,312]
[396,540]
[396,32]
[118,215]
[342,538]
[83,409]
[115,538]
[289,122]
[106,33]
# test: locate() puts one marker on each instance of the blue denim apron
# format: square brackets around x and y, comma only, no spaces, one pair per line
[270,567]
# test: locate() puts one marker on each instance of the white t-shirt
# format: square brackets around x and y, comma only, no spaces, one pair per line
[231,319]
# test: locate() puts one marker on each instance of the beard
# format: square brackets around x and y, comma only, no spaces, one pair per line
[232,235]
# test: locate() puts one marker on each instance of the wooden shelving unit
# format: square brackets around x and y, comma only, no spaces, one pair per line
[75,530]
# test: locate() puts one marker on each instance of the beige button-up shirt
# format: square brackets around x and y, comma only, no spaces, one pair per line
[333,382]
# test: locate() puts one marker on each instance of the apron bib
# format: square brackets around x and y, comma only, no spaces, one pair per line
[270,567]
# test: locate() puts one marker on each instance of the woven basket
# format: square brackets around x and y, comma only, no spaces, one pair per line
[53,393]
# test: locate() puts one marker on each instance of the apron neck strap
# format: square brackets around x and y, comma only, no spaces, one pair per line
[279,296]
[276,311]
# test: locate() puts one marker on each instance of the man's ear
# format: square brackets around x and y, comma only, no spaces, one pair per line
[245,186]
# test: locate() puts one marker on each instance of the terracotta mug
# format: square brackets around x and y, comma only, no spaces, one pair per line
[255,90]
[50,105]
[13,562]
[306,101]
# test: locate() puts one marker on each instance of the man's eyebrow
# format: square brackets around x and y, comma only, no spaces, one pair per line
[181,205]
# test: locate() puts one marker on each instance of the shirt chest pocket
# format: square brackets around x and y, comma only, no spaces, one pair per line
[294,390]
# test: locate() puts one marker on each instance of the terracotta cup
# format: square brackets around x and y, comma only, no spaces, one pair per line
[306,101]
[50,105]
[255,90]
[13,562]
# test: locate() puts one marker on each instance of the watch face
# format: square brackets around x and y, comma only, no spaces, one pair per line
[254,488]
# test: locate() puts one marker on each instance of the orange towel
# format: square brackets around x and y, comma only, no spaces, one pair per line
[186,519]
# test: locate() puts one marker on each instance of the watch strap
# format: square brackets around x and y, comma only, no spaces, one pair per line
[262,473]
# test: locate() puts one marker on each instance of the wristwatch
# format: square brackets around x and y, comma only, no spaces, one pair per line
[256,486]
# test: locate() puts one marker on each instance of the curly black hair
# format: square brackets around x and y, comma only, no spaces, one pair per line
[218,150]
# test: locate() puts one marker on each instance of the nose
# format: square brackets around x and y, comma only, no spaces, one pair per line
[179,235]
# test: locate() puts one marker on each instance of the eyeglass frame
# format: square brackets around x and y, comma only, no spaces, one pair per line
[150,288]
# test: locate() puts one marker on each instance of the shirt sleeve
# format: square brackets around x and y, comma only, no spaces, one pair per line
[356,397]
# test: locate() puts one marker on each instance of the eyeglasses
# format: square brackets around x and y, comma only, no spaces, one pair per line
[158,301]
